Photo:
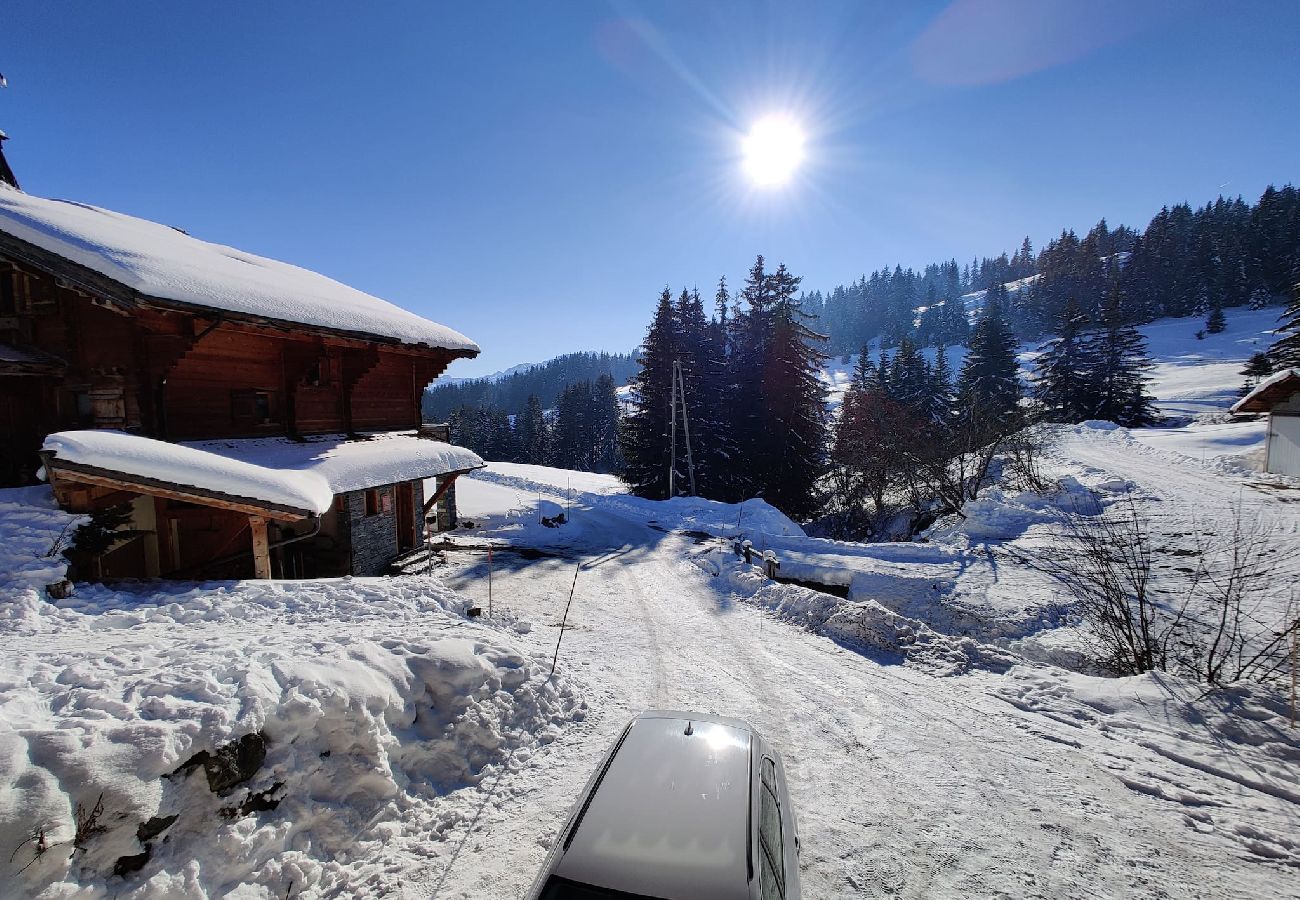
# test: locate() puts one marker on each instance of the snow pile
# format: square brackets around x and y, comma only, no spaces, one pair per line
[750,518]
[302,475]
[164,262]
[866,625]
[235,734]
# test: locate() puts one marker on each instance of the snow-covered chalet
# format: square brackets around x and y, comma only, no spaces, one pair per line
[239,416]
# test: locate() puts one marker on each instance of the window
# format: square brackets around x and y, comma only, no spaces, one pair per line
[379,501]
[249,408]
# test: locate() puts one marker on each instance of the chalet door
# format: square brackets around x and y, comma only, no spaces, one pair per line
[405,516]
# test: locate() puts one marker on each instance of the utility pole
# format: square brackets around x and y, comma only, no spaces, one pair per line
[685,423]
[672,444]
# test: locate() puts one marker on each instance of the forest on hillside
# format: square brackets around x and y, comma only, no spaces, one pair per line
[545,381]
[1187,261]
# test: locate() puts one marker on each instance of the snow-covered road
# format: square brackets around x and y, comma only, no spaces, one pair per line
[905,784]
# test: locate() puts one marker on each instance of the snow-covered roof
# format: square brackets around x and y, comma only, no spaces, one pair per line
[164,263]
[298,475]
[1267,393]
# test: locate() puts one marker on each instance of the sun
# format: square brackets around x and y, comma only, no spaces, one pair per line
[773,150]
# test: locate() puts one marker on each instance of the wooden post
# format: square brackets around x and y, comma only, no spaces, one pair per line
[261,550]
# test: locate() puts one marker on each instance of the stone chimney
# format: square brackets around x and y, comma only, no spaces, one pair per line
[6,173]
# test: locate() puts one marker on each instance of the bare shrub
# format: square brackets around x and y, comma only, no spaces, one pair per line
[88,824]
[39,839]
[1207,621]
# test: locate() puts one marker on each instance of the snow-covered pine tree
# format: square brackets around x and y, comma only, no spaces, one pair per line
[938,408]
[988,388]
[1118,366]
[605,424]
[909,377]
[1063,371]
[645,432]
[1285,352]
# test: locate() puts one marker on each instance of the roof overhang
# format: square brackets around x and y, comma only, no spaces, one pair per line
[108,290]
[62,473]
[1272,391]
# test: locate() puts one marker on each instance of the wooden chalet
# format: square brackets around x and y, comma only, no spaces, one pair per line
[108,322]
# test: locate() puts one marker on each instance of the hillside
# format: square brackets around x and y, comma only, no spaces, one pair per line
[509,390]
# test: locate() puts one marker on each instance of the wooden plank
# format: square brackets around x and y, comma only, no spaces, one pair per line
[261,547]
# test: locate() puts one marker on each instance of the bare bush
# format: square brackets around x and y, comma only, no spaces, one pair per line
[88,824]
[1207,621]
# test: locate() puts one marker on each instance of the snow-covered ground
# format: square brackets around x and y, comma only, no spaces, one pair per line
[412,751]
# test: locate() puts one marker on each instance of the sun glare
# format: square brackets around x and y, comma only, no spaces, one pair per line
[773,150]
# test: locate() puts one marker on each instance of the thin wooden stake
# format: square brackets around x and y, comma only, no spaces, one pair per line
[489,582]
[1295,657]
[565,619]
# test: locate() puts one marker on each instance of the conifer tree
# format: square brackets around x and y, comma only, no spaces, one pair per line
[1258,367]
[1215,322]
[938,408]
[645,432]
[1118,366]
[792,450]
[531,432]
[1285,352]
[1063,371]
[988,388]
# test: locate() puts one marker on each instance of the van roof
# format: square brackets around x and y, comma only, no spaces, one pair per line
[670,817]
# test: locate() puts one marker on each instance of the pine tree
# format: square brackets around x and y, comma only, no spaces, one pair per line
[1215,323]
[1063,371]
[1258,367]
[645,433]
[1285,352]
[938,409]
[988,388]
[1118,366]
[530,428]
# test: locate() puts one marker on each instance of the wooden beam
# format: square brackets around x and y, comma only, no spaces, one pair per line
[444,482]
[62,473]
[261,547]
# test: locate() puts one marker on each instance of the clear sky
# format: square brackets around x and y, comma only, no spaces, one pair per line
[532,174]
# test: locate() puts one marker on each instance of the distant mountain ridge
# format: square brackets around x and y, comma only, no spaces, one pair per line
[509,389]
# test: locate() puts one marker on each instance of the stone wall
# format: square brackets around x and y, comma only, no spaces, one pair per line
[373,539]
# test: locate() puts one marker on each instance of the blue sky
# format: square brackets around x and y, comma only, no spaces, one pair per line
[533,174]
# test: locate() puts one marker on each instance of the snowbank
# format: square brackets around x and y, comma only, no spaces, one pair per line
[865,625]
[164,262]
[260,737]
